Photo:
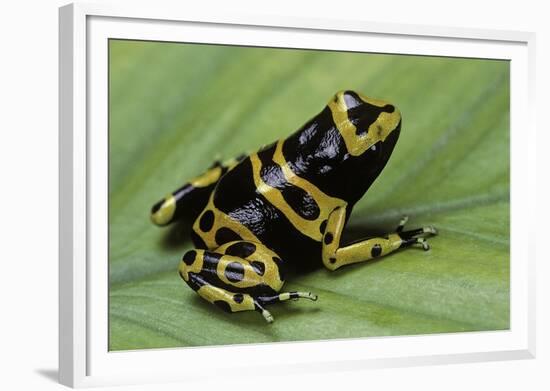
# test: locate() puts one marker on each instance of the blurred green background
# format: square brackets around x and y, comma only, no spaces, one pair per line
[175,108]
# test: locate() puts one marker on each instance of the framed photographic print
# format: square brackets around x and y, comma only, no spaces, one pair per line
[259,192]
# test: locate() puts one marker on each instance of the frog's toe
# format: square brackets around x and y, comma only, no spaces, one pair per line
[285,296]
[402,223]
[267,316]
[418,232]
[424,243]
[430,230]
[311,296]
[417,236]
[415,240]
[302,295]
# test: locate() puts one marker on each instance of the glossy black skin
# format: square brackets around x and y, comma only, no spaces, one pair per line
[315,152]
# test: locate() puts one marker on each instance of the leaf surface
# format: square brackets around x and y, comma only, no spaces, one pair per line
[176,108]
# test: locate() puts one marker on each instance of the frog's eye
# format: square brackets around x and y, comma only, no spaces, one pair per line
[352,99]
[347,100]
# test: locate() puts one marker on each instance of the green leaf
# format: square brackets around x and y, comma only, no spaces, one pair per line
[174,108]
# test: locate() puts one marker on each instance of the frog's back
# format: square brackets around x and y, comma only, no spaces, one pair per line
[258,201]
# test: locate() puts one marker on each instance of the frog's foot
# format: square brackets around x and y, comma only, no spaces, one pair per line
[265,300]
[414,236]
[287,296]
[226,300]
[238,276]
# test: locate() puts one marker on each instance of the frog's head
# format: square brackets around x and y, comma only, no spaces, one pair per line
[369,129]
[365,123]
[344,148]
[362,133]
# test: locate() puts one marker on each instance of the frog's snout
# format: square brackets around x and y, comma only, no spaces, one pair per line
[163,211]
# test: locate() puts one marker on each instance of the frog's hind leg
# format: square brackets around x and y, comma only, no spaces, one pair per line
[189,200]
[238,276]
[336,256]
[224,299]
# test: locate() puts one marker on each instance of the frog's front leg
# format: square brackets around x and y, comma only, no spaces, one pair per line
[335,256]
[190,199]
[238,276]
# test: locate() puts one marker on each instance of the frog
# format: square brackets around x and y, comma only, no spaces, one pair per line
[263,216]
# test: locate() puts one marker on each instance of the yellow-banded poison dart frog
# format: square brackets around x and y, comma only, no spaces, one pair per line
[284,207]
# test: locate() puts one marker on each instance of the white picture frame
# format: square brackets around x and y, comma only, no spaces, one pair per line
[84,31]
